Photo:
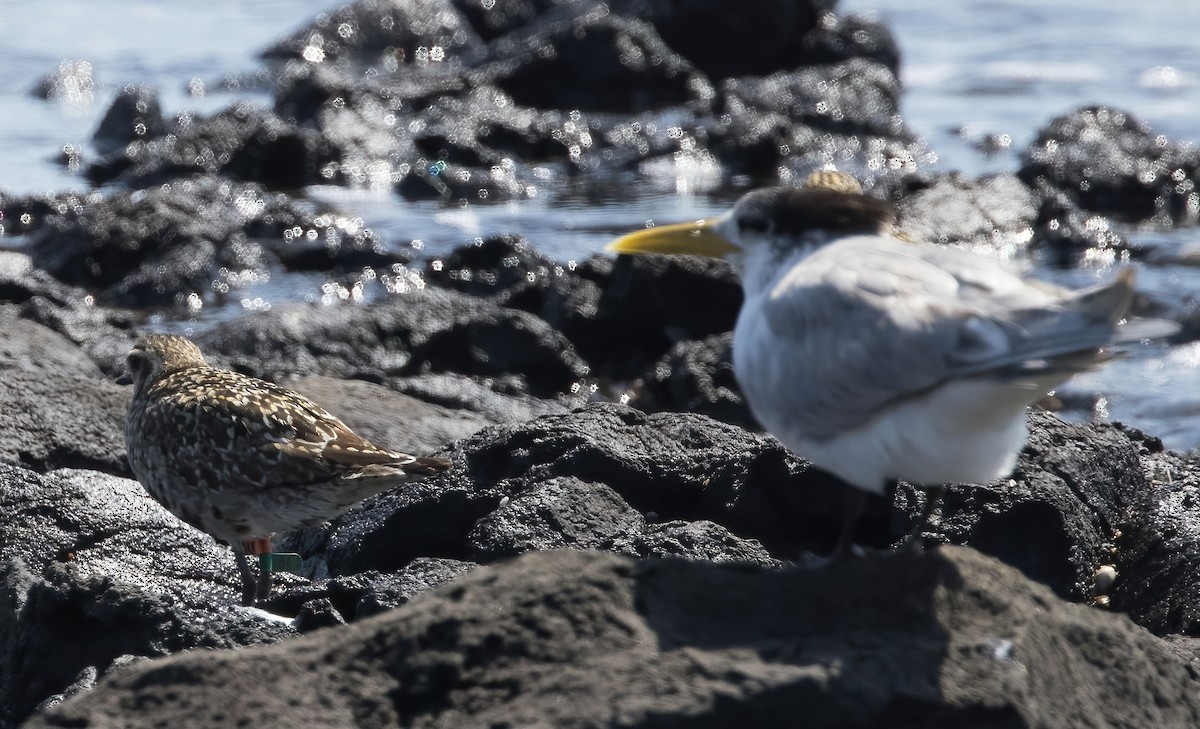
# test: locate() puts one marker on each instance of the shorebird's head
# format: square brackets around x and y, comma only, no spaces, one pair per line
[766,226]
[156,355]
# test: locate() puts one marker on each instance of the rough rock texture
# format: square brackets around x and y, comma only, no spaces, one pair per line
[428,330]
[1075,489]
[58,410]
[696,377]
[180,244]
[94,569]
[591,640]
[996,212]
[1107,161]
[1157,557]
[625,465]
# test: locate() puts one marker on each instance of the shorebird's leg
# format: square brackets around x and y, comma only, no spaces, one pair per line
[262,589]
[933,497]
[248,581]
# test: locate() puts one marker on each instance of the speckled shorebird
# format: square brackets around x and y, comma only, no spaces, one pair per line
[241,458]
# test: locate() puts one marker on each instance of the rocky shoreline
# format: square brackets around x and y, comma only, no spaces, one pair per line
[617,543]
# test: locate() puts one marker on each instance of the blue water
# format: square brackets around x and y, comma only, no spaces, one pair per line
[971,68]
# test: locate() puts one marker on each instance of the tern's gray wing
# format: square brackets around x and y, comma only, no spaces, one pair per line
[867,323]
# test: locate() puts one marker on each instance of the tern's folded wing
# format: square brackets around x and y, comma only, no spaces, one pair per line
[868,326]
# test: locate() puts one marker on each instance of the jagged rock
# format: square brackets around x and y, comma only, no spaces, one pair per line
[996,212]
[948,638]
[94,569]
[1107,161]
[696,377]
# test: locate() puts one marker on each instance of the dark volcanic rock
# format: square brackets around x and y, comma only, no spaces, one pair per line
[242,143]
[430,330]
[1069,232]
[134,115]
[182,243]
[593,62]
[382,32]
[638,315]
[588,640]
[678,466]
[997,212]
[58,412]
[1074,490]
[803,118]
[761,37]
[1157,557]
[94,569]
[1107,161]
[696,377]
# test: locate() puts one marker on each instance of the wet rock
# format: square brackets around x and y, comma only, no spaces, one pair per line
[768,35]
[503,266]
[1107,161]
[681,467]
[555,514]
[20,282]
[430,330]
[134,115]
[182,244]
[639,313]
[1070,233]
[73,83]
[317,614]
[400,587]
[696,377]
[594,62]
[803,118]
[947,637]
[63,421]
[1074,490]
[105,334]
[243,143]
[386,33]
[29,346]
[997,212]
[1156,557]
[58,410]
[702,540]
[94,569]
[840,38]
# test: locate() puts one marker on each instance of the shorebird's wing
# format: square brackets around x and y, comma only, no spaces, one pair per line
[256,433]
[863,324]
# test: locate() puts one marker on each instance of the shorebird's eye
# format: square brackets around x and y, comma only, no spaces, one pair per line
[754,224]
[134,362]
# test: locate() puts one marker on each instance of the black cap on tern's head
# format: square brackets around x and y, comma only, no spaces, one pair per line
[797,213]
[829,206]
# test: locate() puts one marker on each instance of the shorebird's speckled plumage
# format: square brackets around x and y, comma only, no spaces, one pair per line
[241,458]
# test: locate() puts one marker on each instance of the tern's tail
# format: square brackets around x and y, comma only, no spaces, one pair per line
[1107,302]
[1110,302]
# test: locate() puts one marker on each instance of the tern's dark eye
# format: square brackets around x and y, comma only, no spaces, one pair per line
[754,224]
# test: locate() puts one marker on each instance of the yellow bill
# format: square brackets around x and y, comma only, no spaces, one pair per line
[698,238]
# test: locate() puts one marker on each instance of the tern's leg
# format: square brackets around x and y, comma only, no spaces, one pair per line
[856,502]
[933,497]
